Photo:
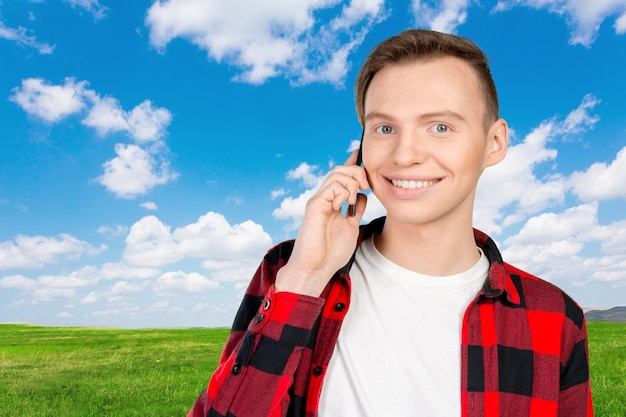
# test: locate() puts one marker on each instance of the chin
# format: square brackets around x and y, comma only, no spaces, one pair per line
[409,217]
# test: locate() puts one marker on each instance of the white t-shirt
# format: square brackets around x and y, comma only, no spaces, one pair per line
[399,349]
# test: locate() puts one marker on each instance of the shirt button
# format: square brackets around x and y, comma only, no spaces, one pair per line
[236,369]
[318,371]
[339,307]
[267,304]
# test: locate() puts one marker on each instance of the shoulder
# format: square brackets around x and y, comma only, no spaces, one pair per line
[275,258]
[279,253]
[544,298]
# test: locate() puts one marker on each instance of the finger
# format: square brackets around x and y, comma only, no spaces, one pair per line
[342,195]
[350,178]
[355,172]
[335,192]
[356,211]
[352,158]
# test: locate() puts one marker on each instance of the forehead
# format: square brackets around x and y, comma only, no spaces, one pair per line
[436,84]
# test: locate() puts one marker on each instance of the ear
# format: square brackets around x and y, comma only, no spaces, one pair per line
[498,142]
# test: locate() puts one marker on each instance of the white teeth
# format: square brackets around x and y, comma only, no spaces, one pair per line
[411,185]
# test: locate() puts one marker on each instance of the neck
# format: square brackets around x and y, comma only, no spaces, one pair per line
[434,250]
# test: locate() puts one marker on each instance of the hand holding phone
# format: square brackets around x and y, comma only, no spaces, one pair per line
[327,235]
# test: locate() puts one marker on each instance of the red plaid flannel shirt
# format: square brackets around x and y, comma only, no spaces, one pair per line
[524,346]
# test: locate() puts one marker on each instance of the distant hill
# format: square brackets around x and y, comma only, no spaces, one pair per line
[616,314]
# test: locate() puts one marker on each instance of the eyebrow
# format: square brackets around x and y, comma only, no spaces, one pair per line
[445,114]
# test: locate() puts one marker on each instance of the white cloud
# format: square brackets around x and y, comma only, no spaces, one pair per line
[119,270]
[105,313]
[228,252]
[21,37]
[511,191]
[38,97]
[270,38]
[144,123]
[92,6]
[232,270]
[552,254]
[90,298]
[616,276]
[580,119]
[19,282]
[125,287]
[354,145]
[38,251]
[149,205]
[278,192]
[552,227]
[150,243]
[113,231]
[514,184]
[620,24]
[553,246]
[85,277]
[446,16]
[614,241]
[583,17]
[215,308]
[292,208]
[106,115]
[307,173]
[50,102]
[53,294]
[235,199]
[177,283]
[164,306]
[65,286]
[601,181]
[134,171]
[212,237]
[115,293]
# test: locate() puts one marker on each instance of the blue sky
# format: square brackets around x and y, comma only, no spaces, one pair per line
[151,152]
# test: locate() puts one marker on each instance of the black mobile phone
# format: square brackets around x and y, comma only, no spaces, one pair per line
[359,161]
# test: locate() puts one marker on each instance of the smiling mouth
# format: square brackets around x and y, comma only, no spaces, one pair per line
[412,185]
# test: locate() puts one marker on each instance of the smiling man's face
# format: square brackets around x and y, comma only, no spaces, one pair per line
[425,144]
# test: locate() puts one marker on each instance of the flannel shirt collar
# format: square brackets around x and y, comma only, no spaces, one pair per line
[498,282]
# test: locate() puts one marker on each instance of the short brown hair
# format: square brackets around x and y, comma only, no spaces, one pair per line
[420,44]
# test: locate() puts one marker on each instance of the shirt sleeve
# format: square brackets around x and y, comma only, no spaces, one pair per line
[575,385]
[262,353]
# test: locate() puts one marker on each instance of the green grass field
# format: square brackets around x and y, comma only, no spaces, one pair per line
[77,371]
[74,371]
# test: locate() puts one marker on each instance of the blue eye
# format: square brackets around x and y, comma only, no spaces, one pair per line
[384,130]
[441,128]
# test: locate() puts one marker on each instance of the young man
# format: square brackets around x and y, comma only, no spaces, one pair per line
[414,314]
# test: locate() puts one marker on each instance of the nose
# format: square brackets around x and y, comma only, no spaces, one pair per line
[410,149]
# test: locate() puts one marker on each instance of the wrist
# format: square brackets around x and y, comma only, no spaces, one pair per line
[300,282]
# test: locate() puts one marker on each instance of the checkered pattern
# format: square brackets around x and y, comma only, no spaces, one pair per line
[524,346]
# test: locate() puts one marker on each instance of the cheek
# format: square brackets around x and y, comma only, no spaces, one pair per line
[468,157]
[374,155]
